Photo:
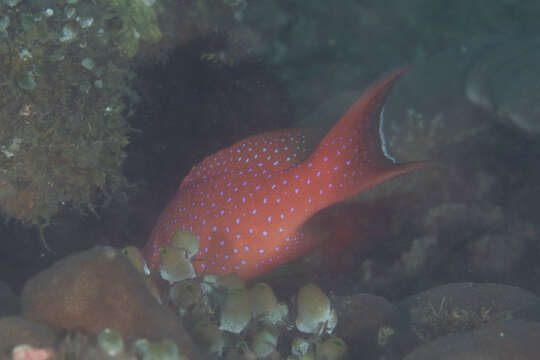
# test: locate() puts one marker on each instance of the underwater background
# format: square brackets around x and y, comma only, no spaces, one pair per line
[107,105]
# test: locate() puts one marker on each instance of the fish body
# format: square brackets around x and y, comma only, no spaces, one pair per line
[246,204]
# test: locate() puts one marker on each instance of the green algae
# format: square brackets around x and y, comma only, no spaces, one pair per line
[138,21]
[63,116]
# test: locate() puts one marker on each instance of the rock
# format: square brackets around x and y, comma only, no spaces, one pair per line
[500,340]
[9,302]
[135,256]
[361,316]
[97,289]
[431,112]
[369,324]
[501,79]
[462,306]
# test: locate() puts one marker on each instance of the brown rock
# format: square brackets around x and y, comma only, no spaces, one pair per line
[98,289]
[371,326]
[360,316]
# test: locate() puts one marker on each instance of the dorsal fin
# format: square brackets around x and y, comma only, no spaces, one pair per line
[271,151]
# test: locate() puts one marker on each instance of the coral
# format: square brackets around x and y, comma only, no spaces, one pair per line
[264,299]
[185,295]
[157,350]
[236,312]
[26,352]
[332,349]
[231,282]
[99,289]
[384,335]
[314,311]
[111,345]
[264,343]
[210,340]
[187,241]
[110,342]
[175,266]
[300,346]
[265,305]
[175,258]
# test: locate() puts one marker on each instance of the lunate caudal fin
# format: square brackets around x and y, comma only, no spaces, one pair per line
[352,157]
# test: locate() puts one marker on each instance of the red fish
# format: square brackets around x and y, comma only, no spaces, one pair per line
[246,203]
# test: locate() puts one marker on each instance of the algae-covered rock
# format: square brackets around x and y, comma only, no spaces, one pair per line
[66,91]
[138,21]
[458,307]
[62,135]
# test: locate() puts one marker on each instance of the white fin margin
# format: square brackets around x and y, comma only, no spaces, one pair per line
[383,139]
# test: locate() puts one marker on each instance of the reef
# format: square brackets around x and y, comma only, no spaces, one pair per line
[97,304]
[66,91]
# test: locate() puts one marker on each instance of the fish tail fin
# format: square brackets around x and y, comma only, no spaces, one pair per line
[352,157]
